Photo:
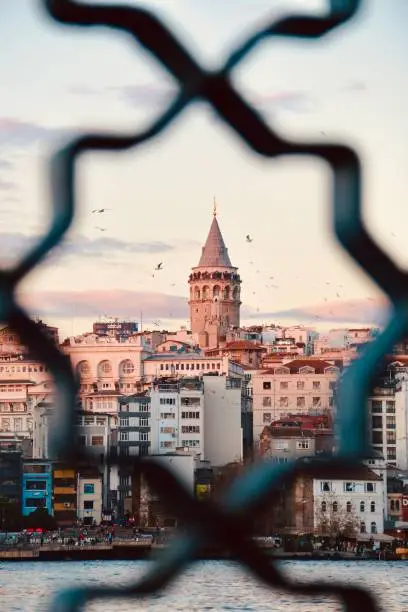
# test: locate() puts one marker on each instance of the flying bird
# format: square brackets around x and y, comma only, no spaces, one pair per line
[101,229]
[248,238]
[100,210]
[159,266]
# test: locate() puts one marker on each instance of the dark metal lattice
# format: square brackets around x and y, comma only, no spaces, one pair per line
[226,523]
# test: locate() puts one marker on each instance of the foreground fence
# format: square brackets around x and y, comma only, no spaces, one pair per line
[227,523]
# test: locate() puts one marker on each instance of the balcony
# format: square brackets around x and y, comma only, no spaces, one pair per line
[65,490]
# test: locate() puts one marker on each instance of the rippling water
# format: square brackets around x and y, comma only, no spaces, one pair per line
[210,585]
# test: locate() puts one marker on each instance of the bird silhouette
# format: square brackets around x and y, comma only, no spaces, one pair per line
[159,266]
[100,210]
[248,238]
[101,229]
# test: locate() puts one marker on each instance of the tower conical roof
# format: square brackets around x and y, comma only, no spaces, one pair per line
[214,253]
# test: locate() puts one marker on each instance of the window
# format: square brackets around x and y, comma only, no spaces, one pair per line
[372,507]
[392,504]
[376,422]
[335,506]
[391,437]
[300,384]
[267,402]
[123,436]
[324,506]
[169,415]
[124,422]
[316,384]
[169,430]
[349,487]
[89,488]
[143,436]
[376,406]
[348,506]
[82,440]
[267,417]
[377,437]
[190,429]
[303,444]
[373,527]
[97,441]
[35,502]
[143,422]
[362,506]
[36,485]
[397,505]
[390,407]
[390,420]
[391,453]
[370,487]
[18,424]
[83,368]
[267,386]
[126,367]
[362,527]
[104,368]
[332,385]
[301,402]
[326,486]
[283,402]
[284,384]
[88,505]
[281,445]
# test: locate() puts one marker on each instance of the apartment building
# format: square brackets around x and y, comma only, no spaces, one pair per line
[37,486]
[89,498]
[300,386]
[177,419]
[382,407]
[301,436]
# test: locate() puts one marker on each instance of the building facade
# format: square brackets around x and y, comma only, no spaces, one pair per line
[301,386]
[89,499]
[37,486]
[177,420]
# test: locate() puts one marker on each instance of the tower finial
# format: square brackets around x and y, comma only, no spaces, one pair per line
[215,207]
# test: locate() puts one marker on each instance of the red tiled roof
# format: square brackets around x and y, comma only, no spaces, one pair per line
[242,345]
[319,365]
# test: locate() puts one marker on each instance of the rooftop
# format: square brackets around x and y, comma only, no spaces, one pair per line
[214,253]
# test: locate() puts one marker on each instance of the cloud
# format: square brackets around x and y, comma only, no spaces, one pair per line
[293,101]
[121,303]
[147,94]
[7,185]
[17,132]
[5,164]
[347,311]
[83,90]
[97,248]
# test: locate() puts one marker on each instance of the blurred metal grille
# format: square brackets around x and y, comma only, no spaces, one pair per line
[227,523]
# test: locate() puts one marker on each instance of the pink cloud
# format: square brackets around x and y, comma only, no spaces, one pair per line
[120,303]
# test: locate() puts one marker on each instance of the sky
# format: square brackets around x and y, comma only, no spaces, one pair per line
[56,81]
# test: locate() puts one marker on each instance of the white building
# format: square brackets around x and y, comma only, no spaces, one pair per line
[301,386]
[356,495]
[89,499]
[177,415]
[201,415]
[388,422]
[107,368]
[223,435]
[185,364]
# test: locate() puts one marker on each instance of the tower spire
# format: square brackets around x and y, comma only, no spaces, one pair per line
[215,207]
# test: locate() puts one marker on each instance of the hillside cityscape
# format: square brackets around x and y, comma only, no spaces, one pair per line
[205,402]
